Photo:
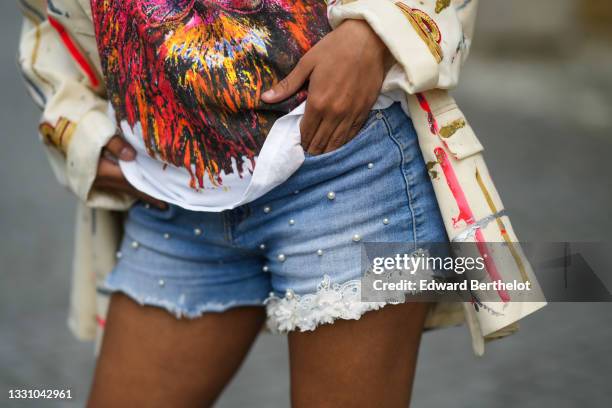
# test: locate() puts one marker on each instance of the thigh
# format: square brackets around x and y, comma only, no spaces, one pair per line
[358,363]
[150,358]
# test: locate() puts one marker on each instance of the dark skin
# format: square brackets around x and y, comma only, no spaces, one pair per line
[150,358]
[343,84]
[109,176]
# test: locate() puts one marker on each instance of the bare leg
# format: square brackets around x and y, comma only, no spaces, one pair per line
[150,358]
[358,363]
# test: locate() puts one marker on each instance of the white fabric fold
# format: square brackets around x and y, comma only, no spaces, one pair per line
[281,155]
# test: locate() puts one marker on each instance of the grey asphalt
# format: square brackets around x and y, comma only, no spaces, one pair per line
[547,126]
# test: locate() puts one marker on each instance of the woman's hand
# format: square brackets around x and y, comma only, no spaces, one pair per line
[110,177]
[345,71]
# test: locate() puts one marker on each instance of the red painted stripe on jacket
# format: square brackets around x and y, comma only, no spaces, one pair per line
[433,125]
[100,321]
[466,214]
[74,51]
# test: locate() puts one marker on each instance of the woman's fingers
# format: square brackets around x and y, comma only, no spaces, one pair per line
[345,70]
[347,129]
[321,138]
[121,149]
[309,124]
[111,178]
[291,83]
[108,170]
[340,136]
[354,126]
[337,126]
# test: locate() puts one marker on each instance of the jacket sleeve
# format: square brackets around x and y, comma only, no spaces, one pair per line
[62,81]
[429,39]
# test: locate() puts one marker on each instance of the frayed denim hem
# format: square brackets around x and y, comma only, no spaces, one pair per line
[180,312]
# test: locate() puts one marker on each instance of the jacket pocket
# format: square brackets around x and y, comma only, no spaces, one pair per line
[456,133]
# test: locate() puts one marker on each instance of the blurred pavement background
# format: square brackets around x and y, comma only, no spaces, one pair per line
[537,90]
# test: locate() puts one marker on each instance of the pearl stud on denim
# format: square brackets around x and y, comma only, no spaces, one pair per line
[292,222]
[197,231]
[135,244]
[331,195]
[161,283]
[356,237]
[265,268]
[320,252]
[325,282]
[386,221]
[166,236]
[370,165]
[267,209]
[262,247]
[282,257]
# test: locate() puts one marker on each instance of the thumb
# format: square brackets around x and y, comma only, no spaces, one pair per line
[290,84]
[121,149]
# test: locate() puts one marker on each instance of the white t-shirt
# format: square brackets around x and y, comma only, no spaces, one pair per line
[280,156]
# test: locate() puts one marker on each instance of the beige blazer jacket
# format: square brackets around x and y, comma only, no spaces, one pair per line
[429,40]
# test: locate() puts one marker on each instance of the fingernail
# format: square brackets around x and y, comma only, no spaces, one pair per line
[127,154]
[268,94]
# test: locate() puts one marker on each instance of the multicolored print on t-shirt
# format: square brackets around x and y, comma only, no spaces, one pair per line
[187,75]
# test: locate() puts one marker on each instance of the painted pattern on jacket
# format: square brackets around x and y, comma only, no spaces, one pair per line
[188,74]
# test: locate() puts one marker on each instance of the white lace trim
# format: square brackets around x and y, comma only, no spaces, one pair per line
[306,312]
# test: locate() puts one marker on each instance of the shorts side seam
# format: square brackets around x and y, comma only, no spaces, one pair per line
[406,181]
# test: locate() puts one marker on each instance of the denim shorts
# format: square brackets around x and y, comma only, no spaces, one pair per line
[295,250]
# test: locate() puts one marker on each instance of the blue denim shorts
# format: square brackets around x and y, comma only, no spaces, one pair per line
[295,250]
